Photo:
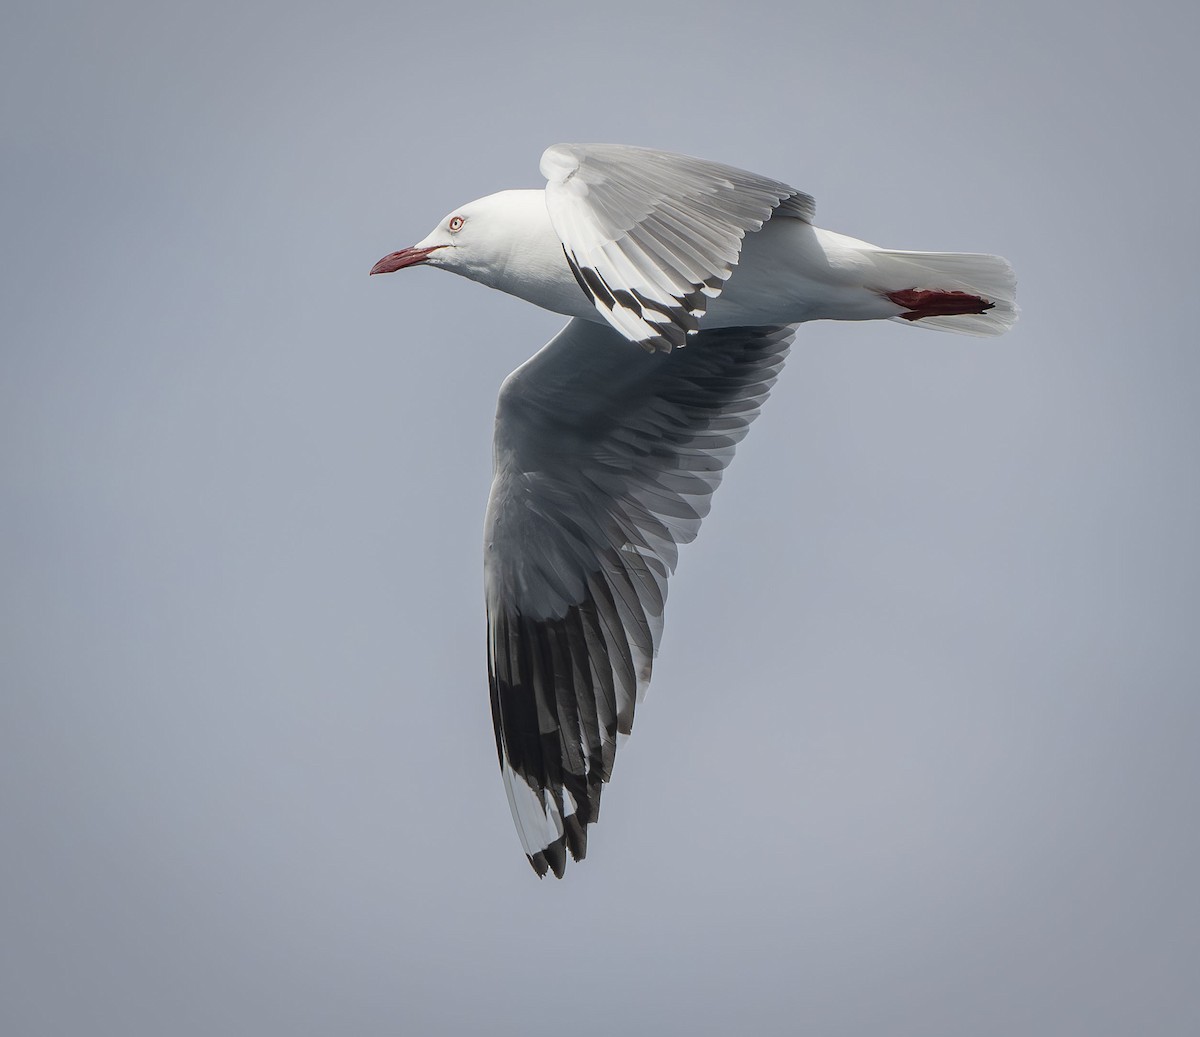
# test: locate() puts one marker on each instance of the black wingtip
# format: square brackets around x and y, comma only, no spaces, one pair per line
[552,858]
[576,836]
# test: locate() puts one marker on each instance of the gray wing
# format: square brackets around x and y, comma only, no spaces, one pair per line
[605,461]
[652,236]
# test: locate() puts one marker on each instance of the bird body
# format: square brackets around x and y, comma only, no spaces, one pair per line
[606,458]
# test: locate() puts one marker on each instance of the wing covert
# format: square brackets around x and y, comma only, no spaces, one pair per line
[652,236]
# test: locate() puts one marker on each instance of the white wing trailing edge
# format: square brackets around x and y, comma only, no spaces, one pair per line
[650,236]
[605,461]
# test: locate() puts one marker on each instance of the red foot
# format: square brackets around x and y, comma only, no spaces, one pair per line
[919,303]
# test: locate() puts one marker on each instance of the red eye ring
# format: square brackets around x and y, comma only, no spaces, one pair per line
[456,223]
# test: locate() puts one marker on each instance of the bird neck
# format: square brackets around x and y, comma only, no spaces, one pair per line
[527,259]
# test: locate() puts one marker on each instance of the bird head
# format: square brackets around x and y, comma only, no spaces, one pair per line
[449,235]
[490,240]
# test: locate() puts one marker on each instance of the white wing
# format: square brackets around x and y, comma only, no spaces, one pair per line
[605,461]
[652,236]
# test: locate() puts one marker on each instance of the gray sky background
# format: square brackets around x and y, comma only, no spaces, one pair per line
[920,755]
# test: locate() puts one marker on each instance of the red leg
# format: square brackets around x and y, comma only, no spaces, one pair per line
[919,303]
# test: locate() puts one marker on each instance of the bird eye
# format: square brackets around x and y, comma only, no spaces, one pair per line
[456,223]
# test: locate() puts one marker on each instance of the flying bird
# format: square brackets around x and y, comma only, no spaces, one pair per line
[683,280]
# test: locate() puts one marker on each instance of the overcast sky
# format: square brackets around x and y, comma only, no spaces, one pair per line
[920,753]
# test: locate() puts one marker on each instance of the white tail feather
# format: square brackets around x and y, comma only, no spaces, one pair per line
[990,277]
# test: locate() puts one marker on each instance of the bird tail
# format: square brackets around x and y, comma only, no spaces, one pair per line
[969,293]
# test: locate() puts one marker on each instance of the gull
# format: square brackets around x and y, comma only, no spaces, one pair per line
[684,280]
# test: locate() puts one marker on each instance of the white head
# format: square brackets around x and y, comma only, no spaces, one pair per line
[493,240]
